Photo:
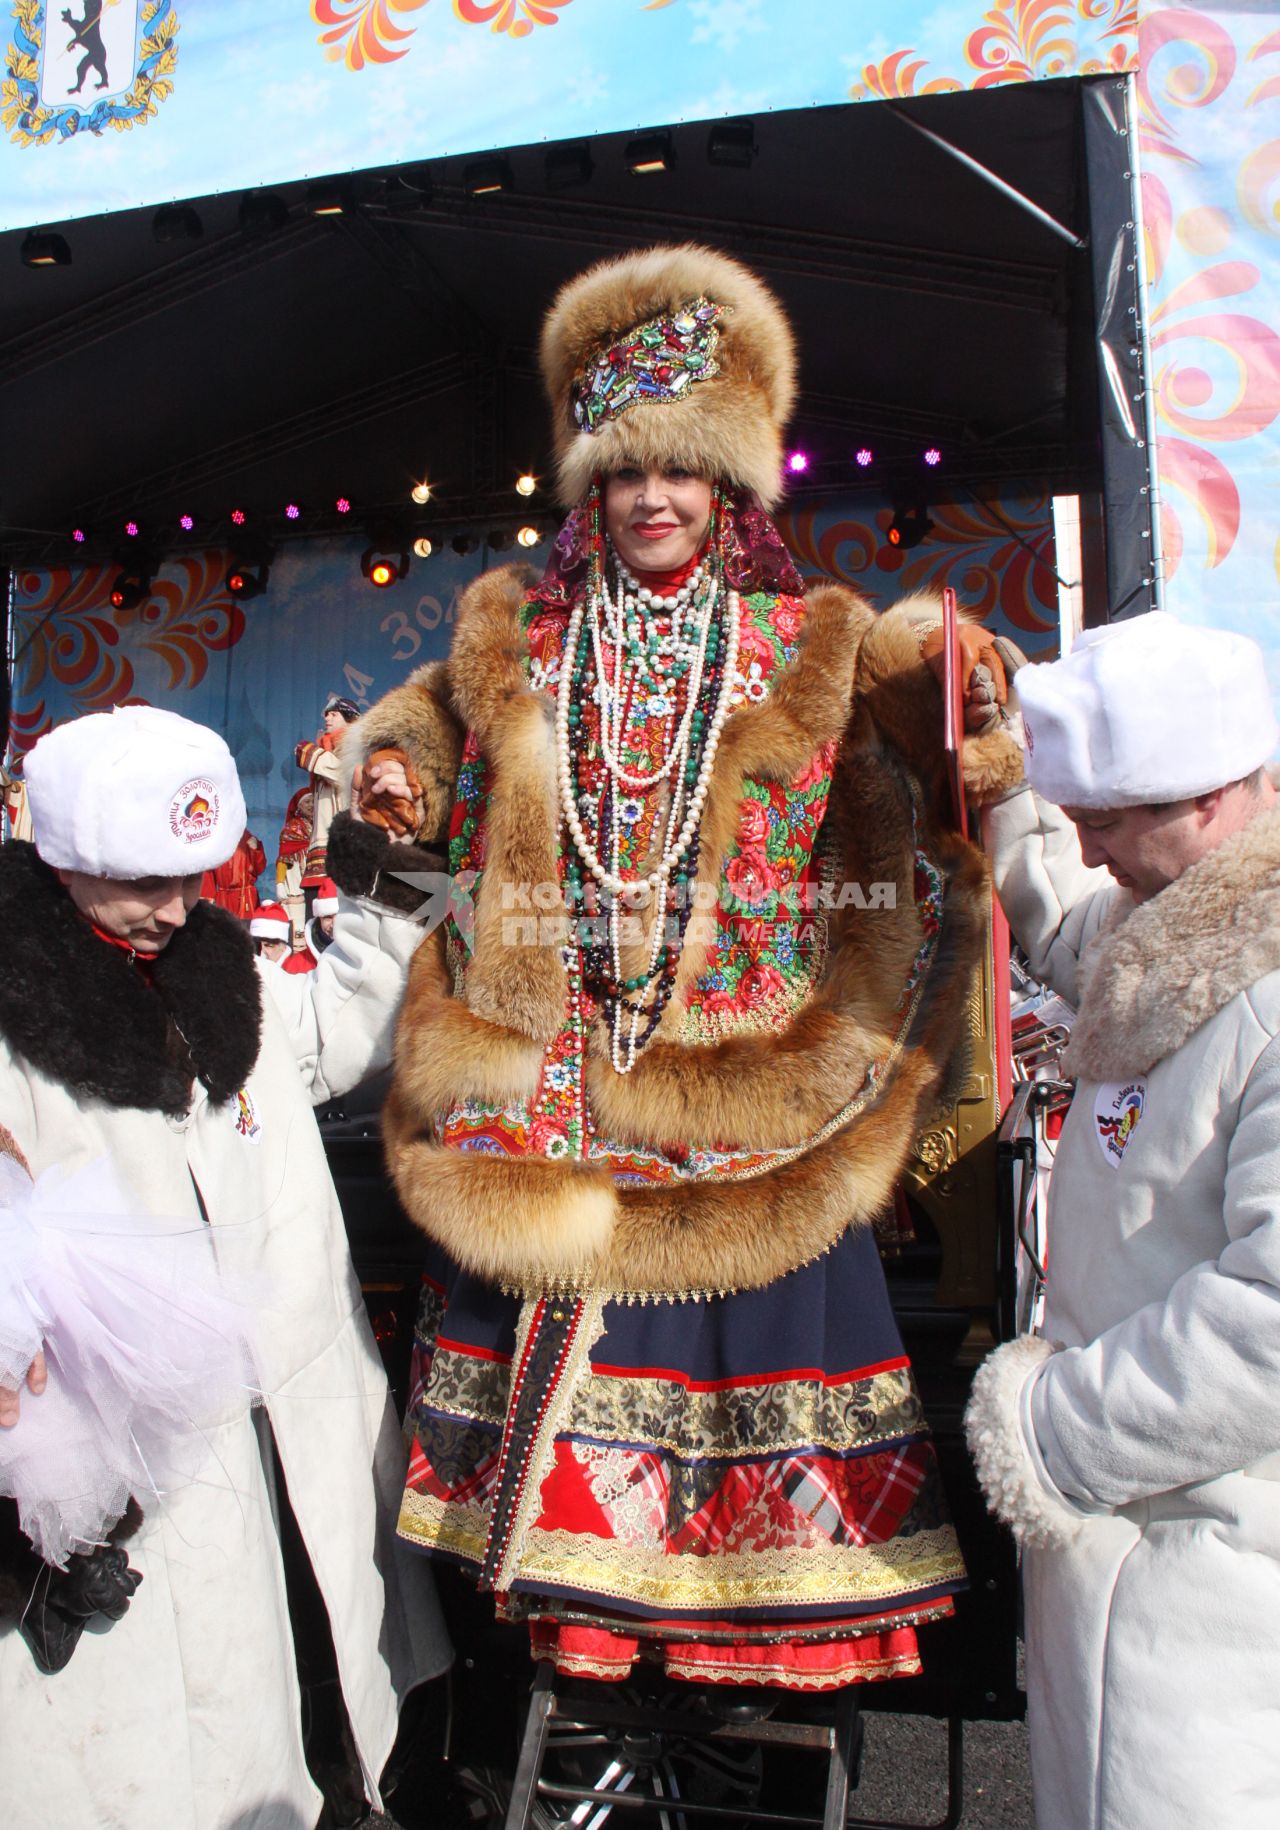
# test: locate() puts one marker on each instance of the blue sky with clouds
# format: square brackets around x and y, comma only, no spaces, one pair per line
[256,100]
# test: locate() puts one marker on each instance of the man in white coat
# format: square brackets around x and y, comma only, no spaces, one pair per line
[1135,1449]
[134,1038]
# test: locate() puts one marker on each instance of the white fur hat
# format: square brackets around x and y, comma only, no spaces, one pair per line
[134,792]
[270,922]
[1144,711]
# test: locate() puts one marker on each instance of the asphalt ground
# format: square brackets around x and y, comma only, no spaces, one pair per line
[904,1774]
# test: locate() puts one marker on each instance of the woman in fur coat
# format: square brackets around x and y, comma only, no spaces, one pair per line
[1135,1449]
[704,980]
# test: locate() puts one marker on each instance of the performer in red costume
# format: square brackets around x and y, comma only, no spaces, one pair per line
[234,885]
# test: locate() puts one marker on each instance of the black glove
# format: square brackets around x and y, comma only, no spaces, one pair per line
[96,1582]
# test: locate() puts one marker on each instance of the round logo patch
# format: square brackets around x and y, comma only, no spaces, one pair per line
[247,1122]
[1117,1112]
[193,811]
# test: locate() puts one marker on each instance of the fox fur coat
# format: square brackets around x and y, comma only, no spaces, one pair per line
[856,681]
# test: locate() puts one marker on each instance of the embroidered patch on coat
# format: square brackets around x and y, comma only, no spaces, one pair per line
[248,1123]
[1117,1108]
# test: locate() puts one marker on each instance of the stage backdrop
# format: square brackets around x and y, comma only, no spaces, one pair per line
[260,671]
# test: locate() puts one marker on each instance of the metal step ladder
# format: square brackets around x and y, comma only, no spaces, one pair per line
[638,1742]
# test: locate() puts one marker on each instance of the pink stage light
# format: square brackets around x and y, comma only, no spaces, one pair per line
[292,512]
[798,461]
[343,505]
[237,517]
[933,457]
[131,528]
[186,523]
[864,456]
[78,535]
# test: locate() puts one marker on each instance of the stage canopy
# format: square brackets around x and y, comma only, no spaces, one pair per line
[292,357]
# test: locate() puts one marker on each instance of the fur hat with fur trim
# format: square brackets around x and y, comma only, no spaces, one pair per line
[134,792]
[1146,711]
[675,356]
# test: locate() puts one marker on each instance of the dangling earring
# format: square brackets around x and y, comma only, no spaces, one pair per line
[595,536]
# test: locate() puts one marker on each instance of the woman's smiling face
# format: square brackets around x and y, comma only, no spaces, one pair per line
[656,519]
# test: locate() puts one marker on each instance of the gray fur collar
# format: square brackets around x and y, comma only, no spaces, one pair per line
[1151,981]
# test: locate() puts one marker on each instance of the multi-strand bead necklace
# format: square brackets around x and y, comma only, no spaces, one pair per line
[670,657]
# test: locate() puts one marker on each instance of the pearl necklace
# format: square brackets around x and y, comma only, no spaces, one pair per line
[675,847]
[617,689]
[639,595]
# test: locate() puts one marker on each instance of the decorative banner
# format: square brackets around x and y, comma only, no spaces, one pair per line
[111,67]
[262,94]
[1209,99]
[1014,41]
[260,671]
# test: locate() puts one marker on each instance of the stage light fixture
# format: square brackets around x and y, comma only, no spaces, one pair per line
[132,529]
[498,539]
[382,569]
[186,523]
[130,589]
[262,213]
[651,153]
[909,527]
[933,457]
[177,222]
[238,517]
[463,544]
[343,505]
[485,176]
[526,484]
[528,536]
[293,511]
[421,492]
[326,200]
[79,536]
[245,581]
[864,457]
[797,462]
[567,167]
[44,251]
[412,187]
[732,143]
[422,547]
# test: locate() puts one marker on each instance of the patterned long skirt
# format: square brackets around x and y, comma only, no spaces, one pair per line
[741,1488]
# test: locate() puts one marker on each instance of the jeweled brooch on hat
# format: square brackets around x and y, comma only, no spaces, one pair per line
[656,362]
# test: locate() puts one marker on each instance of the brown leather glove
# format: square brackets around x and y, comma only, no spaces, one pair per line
[987,664]
[400,815]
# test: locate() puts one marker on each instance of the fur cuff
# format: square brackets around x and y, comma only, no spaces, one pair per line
[364,861]
[1010,1471]
[992,764]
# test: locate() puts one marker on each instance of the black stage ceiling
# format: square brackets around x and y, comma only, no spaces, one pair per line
[355,353]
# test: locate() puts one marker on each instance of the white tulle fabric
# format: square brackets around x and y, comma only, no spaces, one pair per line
[146,1348]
